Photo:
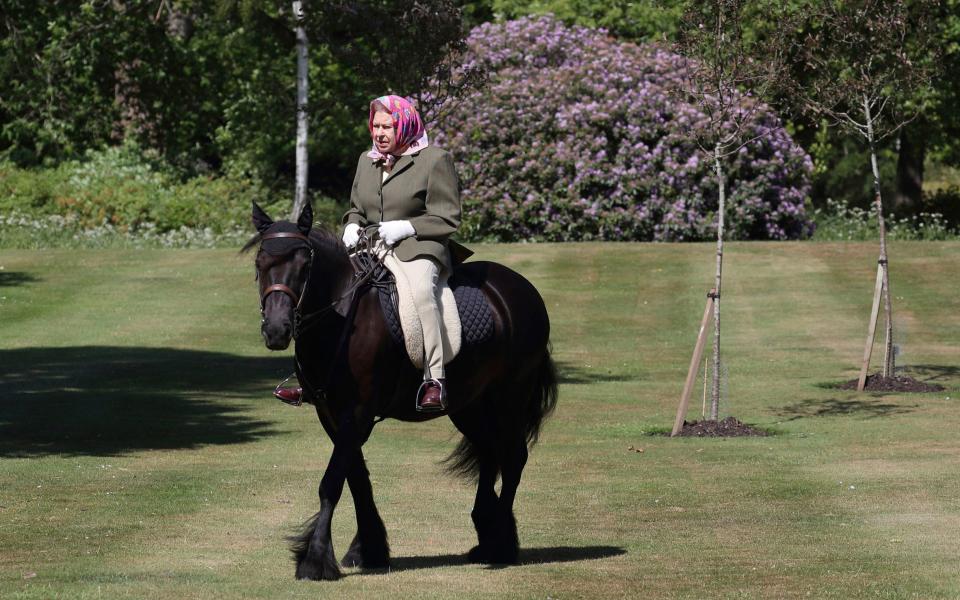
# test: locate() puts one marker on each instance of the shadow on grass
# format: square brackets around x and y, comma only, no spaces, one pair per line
[528,556]
[942,374]
[105,401]
[834,407]
[16,278]
[568,373]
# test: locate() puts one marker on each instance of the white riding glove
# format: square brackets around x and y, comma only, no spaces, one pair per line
[392,232]
[351,235]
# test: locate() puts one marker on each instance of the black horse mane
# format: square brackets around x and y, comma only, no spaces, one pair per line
[327,242]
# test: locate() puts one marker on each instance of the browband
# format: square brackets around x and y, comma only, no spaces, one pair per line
[284,234]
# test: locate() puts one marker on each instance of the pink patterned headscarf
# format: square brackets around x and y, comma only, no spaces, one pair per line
[411,134]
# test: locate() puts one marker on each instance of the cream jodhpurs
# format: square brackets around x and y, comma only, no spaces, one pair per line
[422,275]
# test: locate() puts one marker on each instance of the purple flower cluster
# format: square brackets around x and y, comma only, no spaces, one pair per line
[576,137]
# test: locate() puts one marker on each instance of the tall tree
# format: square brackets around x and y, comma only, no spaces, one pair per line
[866,66]
[936,132]
[727,75]
[406,48]
[361,49]
[636,20]
[300,189]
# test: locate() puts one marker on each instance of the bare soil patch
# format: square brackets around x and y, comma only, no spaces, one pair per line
[729,427]
[898,383]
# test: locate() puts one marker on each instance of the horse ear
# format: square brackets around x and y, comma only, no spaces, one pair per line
[261,222]
[305,222]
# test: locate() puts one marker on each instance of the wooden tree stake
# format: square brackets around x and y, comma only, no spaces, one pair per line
[871,331]
[694,366]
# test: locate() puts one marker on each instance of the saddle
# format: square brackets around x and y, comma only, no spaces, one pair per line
[472,308]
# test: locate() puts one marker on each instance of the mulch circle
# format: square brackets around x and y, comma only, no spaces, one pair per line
[729,427]
[898,383]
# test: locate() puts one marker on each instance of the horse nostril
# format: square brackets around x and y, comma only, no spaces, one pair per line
[277,334]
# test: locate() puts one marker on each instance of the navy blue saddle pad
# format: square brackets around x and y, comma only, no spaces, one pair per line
[476,317]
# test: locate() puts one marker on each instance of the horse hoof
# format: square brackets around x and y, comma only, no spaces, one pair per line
[480,555]
[354,559]
[492,556]
[370,556]
[317,576]
[351,559]
[508,556]
[314,572]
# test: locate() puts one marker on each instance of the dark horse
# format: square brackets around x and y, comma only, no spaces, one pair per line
[500,391]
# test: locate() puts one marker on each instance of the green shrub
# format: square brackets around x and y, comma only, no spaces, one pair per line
[837,221]
[32,191]
[119,191]
[617,161]
[115,185]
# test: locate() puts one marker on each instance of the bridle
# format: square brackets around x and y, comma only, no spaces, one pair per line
[365,265]
[297,299]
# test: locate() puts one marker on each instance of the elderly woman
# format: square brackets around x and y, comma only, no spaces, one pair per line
[410,188]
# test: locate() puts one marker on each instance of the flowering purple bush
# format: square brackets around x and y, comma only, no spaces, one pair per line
[576,137]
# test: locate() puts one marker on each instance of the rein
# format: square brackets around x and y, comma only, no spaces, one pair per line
[366,266]
[364,261]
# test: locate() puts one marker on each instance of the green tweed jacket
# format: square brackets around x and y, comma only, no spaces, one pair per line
[422,188]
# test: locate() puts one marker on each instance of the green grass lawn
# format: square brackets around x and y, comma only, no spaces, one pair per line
[142,456]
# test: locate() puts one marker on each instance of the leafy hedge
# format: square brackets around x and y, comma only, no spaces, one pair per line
[577,137]
[121,190]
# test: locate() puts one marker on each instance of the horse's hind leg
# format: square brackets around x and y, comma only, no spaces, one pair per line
[511,468]
[511,458]
[475,456]
[515,434]
[484,513]
[496,527]
[369,549]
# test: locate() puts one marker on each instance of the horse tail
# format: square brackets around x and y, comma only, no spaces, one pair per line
[465,459]
[543,399]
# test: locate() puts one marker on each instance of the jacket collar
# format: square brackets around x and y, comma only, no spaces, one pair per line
[402,164]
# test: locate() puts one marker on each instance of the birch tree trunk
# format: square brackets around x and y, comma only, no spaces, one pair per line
[715,391]
[300,193]
[888,357]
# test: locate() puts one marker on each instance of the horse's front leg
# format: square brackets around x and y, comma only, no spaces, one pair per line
[314,548]
[369,549]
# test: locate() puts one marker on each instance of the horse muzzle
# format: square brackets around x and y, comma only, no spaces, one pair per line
[277,335]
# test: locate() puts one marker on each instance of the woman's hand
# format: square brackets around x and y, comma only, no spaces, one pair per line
[351,235]
[392,232]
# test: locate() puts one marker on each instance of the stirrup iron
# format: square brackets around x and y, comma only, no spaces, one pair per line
[276,390]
